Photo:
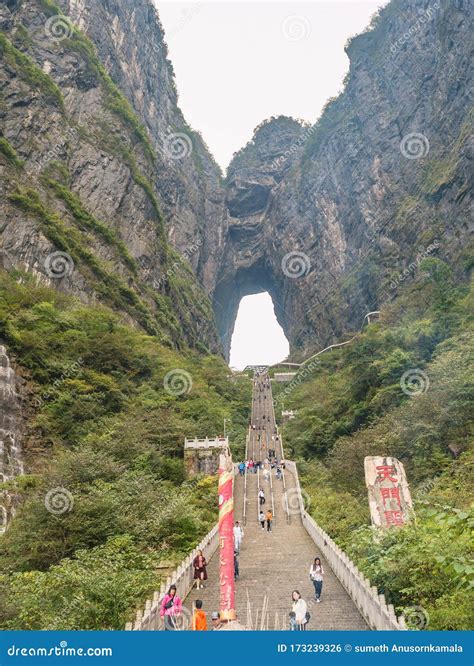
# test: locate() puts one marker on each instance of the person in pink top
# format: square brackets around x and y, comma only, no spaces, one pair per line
[170,609]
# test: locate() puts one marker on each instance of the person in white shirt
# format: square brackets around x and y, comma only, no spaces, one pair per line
[238,536]
[261,496]
[299,612]
[316,574]
[261,518]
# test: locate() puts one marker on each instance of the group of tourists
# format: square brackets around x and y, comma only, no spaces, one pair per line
[252,466]
[272,452]
[266,518]
[171,607]
[262,386]
[171,610]
[199,621]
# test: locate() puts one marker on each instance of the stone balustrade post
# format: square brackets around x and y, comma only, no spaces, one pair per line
[138,621]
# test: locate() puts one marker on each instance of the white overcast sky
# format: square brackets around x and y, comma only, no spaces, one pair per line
[237,63]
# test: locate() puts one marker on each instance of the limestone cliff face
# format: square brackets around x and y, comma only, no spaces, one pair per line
[325,218]
[131,44]
[98,163]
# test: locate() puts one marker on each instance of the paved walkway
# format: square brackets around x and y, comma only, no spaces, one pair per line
[274,564]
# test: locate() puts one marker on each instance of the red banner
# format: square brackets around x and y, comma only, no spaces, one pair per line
[226,537]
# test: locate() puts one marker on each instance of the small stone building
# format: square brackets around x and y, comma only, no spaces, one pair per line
[201,456]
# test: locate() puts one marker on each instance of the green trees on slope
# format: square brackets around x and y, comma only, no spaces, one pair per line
[101,426]
[353,405]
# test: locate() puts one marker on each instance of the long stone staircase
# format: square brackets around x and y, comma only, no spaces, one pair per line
[273,564]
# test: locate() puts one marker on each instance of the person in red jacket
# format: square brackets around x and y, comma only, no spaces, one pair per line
[200,571]
[170,609]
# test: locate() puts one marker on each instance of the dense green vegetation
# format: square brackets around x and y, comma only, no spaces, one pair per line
[103,427]
[352,405]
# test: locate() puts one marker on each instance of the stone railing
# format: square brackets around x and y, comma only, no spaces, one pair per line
[372,606]
[206,442]
[244,511]
[149,619]
[285,490]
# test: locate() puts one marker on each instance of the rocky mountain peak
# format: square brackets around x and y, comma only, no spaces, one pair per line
[320,216]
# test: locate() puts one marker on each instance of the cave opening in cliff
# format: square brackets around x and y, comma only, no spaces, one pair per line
[258,338]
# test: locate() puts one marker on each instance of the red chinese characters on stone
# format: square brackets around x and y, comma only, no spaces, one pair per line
[391,493]
[384,473]
[394,517]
